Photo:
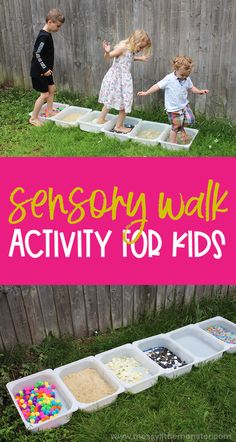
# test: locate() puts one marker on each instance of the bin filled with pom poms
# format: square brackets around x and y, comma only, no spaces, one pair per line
[42,400]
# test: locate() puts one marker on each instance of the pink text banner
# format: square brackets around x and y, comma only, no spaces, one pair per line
[118,221]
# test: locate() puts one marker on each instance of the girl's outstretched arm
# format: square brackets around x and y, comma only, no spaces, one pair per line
[111,54]
[152,89]
[141,58]
[195,90]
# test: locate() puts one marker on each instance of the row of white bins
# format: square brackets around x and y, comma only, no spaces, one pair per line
[129,368]
[146,132]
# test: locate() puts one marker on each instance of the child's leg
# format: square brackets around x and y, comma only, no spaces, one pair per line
[51,91]
[184,135]
[176,120]
[189,120]
[119,124]
[102,116]
[37,106]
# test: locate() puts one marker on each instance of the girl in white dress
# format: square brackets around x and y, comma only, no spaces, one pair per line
[117,86]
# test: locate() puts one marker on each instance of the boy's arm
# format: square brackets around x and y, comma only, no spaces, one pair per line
[40,45]
[195,90]
[152,89]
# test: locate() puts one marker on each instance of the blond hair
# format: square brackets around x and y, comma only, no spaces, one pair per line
[55,15]
[184,62]
[133,41]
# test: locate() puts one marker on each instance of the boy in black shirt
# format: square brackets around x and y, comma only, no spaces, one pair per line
[42,64]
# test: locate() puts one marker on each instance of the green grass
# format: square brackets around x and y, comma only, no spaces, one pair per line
[199,403]
[217,137]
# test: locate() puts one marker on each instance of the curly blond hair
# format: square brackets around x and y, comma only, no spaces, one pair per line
[184,62]
[139,36]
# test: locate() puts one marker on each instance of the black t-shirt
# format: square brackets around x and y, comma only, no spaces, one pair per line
[43,54]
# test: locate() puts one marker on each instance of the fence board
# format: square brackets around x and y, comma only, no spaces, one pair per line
[189,294]
[201,77]
[208,291]
[199,292]
[7,46]
[90,294]
[116,305]
[231,289]
[18,312]
[63,308]
[221,66]
[230,79]
[48,310]
[220,290]
[26,31]
[1,343]
[139,301]
[194,44]
[17,11]
[160,297]
[128,304]
[214,76]
[3,73]
[170,296]
[179,295]
[34,313]
[150,299]
[7,330]
[78,310]
[104,310]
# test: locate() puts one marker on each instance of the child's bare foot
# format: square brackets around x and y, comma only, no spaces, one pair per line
[122,129]
[173,137]
[35,122]
[101,121]
[51,113]
[184,137]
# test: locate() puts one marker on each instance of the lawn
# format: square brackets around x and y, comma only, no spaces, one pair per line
[197,406]
[217,137]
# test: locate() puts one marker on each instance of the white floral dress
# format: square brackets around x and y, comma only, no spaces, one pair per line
[117,86]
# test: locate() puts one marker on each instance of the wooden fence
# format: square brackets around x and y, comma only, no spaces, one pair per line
[29,313]
[203,29]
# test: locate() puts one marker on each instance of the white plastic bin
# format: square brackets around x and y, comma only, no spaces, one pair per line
[95,364]
[138,133]
[58,106]
[149,371]
[164,341]
[69,405]
[88,122]
[228,326]
[163,139]
[70,116]
[107,128]
[199,344]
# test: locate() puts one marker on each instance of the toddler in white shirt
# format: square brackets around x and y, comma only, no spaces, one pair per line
[176,86]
